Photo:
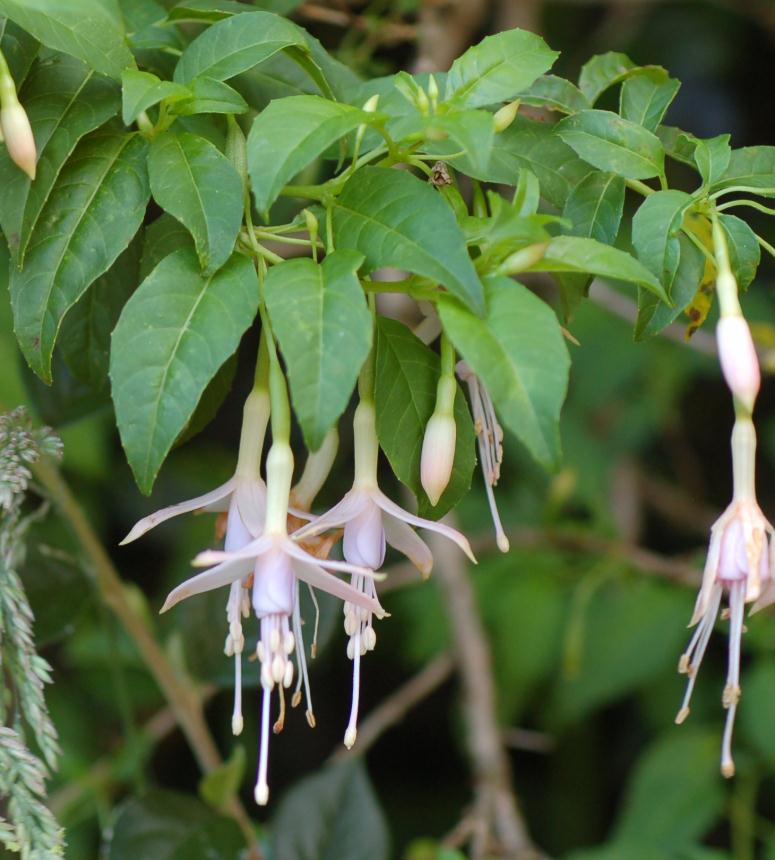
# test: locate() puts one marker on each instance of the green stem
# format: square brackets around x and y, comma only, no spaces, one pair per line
[278,390]
[407,286]
[447,356]
[639,186]
[766,245]
[752,203]
[697,242]
[742,189]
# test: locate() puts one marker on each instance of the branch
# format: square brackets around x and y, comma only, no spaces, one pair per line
[185,703]
[396,706]
[496,810]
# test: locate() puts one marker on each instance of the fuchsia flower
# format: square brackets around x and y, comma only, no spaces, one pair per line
[739,563]
[370,520]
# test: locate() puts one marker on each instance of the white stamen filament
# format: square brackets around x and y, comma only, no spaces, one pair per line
[261,792]
[352,726]
[692,657]
[731,695]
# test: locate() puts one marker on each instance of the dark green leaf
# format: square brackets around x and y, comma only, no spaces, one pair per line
[645,98]
[188,325]
[675,795]
[577,254]
[595,206]
[85,338]
[519,353]
[64,100]
[405,387]
[679,145]
[655,228]
[291,133]
[164,825]
[341,818]
[19,49]
[208,11]
[603,71]
[197,184]
[556,94]
[93,212]
[528,144]
[235,45]
[472,130]
[324,327]
[211,401]
[165,235]
[614,144]
[751,167]
[221,786]
[758,712]
[744,250]
[654,315]
[394,219]
[497,68]
[142,90]
[83,28]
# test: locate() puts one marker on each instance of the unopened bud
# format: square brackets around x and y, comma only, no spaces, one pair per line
[18,137]
[739,362]
[523,259]
[422,101]
[433,92]
[438,455]
[506,115]
[371,104]
[237,150]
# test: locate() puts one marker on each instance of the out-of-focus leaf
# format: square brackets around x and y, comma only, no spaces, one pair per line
[219,787]
[341,818]
[164,825]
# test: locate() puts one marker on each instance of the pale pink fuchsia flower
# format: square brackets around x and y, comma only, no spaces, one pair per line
[370,520]
[18,137]
[489,436]
[739,563]
[738,358]
[243,497]
[277,564]
[438,453]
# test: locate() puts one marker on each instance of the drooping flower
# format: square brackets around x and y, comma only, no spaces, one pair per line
[370,520]
[739,564]
[489,437]
[273,565]
[737,355]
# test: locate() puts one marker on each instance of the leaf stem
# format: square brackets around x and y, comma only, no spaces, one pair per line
[752,203]
[766,245]
[639,186]
[749,189]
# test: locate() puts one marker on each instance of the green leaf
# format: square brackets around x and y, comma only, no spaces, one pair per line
[712,157]
[341,815]
[531,145]
[291,133]
[655,228]
[221,786]
[654,315]
[595,207]
[497,68]
[752,167]
[174,333]
[323,324]
[555,93]
[64,100]
[756,718]
[210,96]
[163,236]
[394,219]
[675,795]
[235,45]
[679,145]
[91,215]
[472,130]
[645,98]
[614,144]
[407,373]
[744,250]
[603,71]
[85,337]
[207,11]
[142,90]
[519,353]
[197,184]
[83,28]
[164,825]
[577,254]
[19,49]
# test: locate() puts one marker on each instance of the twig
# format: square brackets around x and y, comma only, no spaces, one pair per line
[185,703]
[391,32]
[496,810]
[446,28]
[395,707]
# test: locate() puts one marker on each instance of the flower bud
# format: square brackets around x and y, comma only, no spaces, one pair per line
[236,150]
[438,455]
[506,115]
[523,259]
[370,106]
[18,137]
[739,362]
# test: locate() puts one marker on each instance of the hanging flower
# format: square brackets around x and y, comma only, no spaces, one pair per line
[739,564]
[370,520]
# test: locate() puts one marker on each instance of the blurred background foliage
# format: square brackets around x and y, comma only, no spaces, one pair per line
[586,616]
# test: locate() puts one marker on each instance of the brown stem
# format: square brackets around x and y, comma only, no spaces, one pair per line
[184,701]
